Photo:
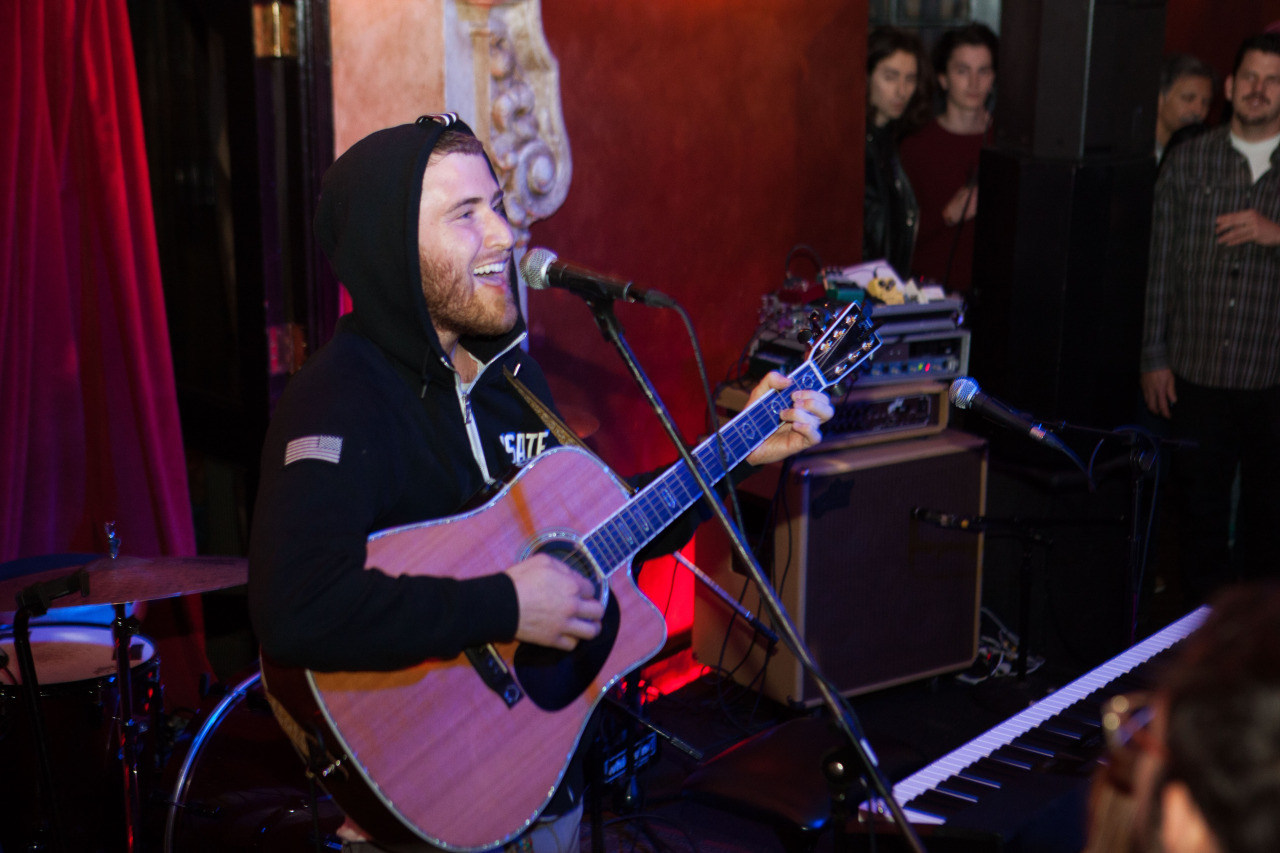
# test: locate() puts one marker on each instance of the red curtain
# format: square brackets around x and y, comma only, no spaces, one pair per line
[89,428]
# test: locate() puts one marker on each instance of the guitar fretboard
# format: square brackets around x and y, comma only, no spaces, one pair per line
[662,501]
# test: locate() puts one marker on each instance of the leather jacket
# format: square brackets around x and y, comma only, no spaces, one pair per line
[890,214]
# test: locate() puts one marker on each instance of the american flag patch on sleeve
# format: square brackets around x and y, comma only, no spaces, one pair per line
[322,448]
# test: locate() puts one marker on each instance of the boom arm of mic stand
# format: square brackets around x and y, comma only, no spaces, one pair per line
[840,710]
[756,625]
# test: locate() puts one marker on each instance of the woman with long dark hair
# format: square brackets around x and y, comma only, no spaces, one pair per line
[897,71]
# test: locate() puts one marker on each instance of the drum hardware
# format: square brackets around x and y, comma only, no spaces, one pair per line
[129,579]
[240,786]
[34,600]
[122,629]
[179,798]
[117,581]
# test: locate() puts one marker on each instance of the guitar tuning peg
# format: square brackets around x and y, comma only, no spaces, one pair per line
[805,336]
[820,320]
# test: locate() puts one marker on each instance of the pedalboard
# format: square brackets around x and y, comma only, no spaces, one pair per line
[918,341]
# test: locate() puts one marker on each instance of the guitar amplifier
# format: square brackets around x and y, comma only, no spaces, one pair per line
[931,355]
[879,597]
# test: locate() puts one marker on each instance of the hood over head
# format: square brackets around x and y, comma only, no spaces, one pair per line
[367,224]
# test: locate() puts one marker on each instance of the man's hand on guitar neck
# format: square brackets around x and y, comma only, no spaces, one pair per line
[810,410]
[557,605]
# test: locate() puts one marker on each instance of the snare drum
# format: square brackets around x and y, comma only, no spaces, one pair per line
[79,701]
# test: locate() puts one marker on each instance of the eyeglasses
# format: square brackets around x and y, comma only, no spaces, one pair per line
[1126,725]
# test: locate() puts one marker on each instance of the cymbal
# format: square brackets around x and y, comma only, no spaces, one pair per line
[127,579]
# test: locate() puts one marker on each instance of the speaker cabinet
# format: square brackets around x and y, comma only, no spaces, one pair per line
[1060,266]
[879,597]
[1079,77]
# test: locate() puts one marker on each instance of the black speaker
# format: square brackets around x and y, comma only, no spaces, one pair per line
[1079,77]
[879,597]
[1060,266]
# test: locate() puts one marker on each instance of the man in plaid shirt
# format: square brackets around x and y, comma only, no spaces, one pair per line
[1211,337]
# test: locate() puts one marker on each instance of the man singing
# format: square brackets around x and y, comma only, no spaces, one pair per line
[405,416]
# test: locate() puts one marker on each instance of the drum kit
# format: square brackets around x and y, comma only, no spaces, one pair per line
[89,760]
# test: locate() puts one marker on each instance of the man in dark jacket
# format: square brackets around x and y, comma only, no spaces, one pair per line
[406,416]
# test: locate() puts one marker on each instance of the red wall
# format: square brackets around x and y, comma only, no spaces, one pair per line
[708,138]
[1213,29]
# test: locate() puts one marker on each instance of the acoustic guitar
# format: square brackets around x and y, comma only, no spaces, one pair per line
[466,753]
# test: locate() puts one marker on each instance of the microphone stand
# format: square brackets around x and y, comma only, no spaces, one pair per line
[1144,453]
[1026,531]
[602,309]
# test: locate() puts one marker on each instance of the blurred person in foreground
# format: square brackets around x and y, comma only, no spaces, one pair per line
[1194,766]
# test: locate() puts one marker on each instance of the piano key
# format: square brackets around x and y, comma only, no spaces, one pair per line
[1085,713]
[1026,743]
[954,791]
[1016,758]
[938,804]
[993,772]
[962,787]
[1080,701]
[1068,729]
[1045,738]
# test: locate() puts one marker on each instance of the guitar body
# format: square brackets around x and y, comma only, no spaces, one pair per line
[435,753]
[466,753]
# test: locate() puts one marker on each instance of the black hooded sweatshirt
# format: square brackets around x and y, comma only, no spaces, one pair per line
[408,452]
[386,389]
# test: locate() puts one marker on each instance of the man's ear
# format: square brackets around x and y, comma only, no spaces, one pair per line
[1182,826]
[1228,85]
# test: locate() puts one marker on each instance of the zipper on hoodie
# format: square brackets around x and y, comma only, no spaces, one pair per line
[468,414]
[469,421]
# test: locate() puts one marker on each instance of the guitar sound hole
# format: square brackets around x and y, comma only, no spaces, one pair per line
[553,679]
[571,555]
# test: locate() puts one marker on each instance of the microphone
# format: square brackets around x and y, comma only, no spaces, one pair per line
[965,394]
[542,269]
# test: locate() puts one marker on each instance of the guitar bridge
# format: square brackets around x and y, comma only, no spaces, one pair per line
[493,671]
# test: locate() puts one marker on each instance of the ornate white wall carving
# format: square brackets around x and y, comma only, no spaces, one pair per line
[498,63]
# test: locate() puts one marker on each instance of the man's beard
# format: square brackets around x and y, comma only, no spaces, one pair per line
[457,308]
[1260,119]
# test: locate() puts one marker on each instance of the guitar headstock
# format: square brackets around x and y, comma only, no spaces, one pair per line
[845,343]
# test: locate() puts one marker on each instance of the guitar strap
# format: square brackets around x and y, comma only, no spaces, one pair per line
[558,427]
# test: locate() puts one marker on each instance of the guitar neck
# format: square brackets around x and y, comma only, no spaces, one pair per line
[657,505]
